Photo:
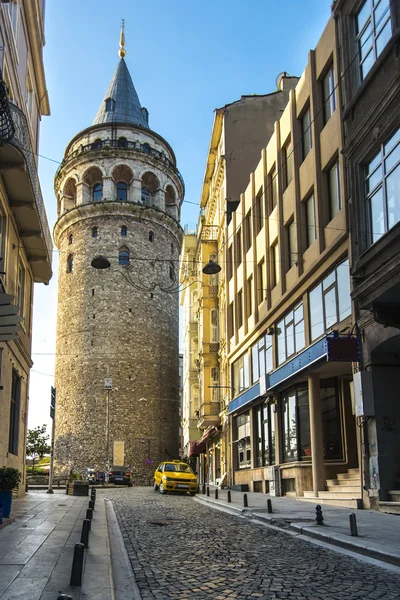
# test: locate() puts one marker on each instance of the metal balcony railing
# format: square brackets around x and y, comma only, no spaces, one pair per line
[22,140]
[7,127]
[128,145]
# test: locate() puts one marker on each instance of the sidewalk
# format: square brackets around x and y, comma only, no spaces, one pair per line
[378,533]
[36,550]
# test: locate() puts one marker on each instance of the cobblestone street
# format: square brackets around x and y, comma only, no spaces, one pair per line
[182,550]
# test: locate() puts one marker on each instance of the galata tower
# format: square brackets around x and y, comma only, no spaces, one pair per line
[119,195]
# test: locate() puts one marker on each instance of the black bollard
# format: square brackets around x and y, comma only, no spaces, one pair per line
[318,515]
[353,525]
[85,533]
[93,492]
[203,488]
[208,491]
[77,565]
[245,500]
[216,493]
[93,499]
[64,597]
[229,496]
[89,515]
[269,506]
[91,504]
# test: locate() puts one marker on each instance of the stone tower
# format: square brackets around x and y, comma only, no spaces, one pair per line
[119,195]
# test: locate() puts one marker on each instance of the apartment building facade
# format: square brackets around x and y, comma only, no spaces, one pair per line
[25,240]
[369,37]
[290,340]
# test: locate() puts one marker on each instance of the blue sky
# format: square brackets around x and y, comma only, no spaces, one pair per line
[186,58]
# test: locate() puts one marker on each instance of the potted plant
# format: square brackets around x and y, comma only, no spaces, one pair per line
[10,479]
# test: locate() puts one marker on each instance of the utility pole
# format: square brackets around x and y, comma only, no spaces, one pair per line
[52,415]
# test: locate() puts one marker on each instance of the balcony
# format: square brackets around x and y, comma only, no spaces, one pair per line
[18,168]
[209,415]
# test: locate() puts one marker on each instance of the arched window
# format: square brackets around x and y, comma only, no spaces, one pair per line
[213,279]
[122,191]
[97,192]
[146,196]
[70,238]
[214,325]
[97,144]
[124,258]
[70,264]
[146,148]
[95,232]
[123,231]
[151,236]
[110,104]
[171,272]
[122,142]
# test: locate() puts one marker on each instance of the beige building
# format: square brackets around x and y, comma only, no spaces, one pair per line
[26,247]
[240,130]
[290,346]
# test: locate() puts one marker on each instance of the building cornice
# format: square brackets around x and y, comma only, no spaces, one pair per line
[33,20]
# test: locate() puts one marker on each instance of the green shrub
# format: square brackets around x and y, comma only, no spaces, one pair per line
[10,478]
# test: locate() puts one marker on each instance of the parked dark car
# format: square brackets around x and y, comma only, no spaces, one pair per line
[120,476]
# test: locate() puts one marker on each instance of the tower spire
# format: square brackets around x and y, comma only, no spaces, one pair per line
[122,51]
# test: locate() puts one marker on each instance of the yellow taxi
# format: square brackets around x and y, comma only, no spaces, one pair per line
[175,476]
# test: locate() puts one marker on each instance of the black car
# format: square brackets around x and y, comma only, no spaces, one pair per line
[120,476]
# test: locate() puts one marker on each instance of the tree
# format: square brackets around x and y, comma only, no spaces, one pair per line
[36,443]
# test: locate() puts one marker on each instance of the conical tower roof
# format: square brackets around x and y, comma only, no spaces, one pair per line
[121,102]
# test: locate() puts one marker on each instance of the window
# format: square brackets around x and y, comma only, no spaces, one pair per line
[335,201]
[21,290]
[239,309]
[247,232]
[264,428]
[123,258]
[229,266]
[287,159]
[96,144]
[374,30]
[238,247]
[171,272]
[261,356]
[260,282]
[290,334]
[259,213]
[215,392]
[13,12]
[249,297]
[29,96]
[15,409]
[331,419]
[122,142]
[70,238]
[151,236]
[276,268]
[213,278]
[95,232]
[110,105]
[146,148]
[70,264]
[230,320]
[296,424]
[311,233]
[273,188]
[306,142]
[243,441]
[122,191]
[328,94]
[97,192]
[240,374]
[292,243]
[124,231]
[146,196]
[214,325]
[382,188]
[330,300]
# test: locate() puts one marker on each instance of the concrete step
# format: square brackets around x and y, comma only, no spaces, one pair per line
[345,503]
[340,495]
[343,482]
[390,508]
[357,471]
[342,476]
[394,495]
[354,489]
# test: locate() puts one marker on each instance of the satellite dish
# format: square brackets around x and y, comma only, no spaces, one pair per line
[280,77]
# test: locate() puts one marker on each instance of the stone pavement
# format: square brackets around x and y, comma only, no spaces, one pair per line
[378,533]
[36,550]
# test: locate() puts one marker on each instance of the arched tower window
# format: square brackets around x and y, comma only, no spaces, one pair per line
[170,196]
[151,236]
[70,264]
[70,238]
[171,272]
[124,257]
[97,192]
[97,144]
[146,148]
[124,231]
[95,232]
[122,191]
[150,185]
[122,142]
[146,196]
[110,105]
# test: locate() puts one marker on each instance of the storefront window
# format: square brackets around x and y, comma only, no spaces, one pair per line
[264,428]
[331,421]
[330,301]
[243,441]
[289,426]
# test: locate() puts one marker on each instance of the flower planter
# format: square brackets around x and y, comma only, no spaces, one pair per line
[77,488]
[6,499]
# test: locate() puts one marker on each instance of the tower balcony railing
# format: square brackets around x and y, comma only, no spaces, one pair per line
[127,145]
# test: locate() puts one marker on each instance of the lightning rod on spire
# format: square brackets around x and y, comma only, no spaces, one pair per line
[122,51]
